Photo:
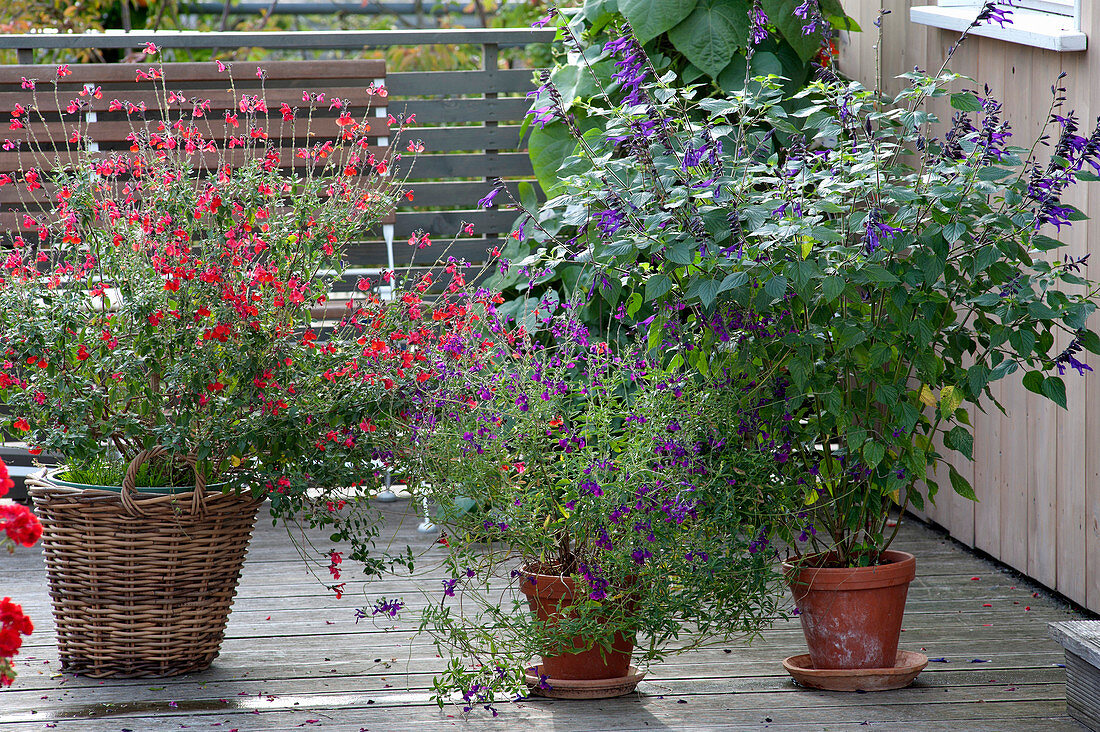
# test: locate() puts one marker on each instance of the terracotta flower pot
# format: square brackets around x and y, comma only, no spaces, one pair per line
[852,616]
[548,596]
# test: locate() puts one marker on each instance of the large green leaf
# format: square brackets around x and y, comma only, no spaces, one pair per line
[713,32]
[781,14]
[651,18]
[548,149]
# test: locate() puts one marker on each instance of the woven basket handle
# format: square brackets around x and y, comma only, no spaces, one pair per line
[129,495]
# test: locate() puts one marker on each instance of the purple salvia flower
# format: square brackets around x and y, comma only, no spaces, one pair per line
[1067,358]
[758,21]
[810,11]
[487,201]
[545,19]
[992,12]
[631,64]
[875,230]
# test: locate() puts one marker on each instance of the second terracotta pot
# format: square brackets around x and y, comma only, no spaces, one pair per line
[549,596]
[852,616]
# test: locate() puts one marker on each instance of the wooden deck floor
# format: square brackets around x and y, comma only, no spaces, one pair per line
[294,659]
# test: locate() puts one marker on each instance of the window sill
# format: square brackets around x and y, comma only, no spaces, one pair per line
[1029,27]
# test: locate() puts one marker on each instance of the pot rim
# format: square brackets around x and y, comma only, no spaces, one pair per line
[52,473]
[900,570]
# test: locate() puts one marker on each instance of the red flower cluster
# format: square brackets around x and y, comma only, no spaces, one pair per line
[13,625]
[21,527]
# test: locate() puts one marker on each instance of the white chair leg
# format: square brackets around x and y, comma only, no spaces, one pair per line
[387,495]
[426,526]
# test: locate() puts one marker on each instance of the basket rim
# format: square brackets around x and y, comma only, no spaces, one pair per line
[170,490]
[48,484]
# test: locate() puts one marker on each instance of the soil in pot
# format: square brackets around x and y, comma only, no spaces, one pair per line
[548,596]
[851,617]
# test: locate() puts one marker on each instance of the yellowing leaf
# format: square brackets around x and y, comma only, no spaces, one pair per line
[950,399]
[896,497]
[807,247]
[234,461]
[926,396]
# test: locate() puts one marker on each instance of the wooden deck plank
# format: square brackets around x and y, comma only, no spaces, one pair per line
[295,659]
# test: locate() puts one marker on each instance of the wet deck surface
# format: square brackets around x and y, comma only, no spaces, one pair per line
[294,658]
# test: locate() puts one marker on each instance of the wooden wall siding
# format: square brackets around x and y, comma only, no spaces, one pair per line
[1035,472]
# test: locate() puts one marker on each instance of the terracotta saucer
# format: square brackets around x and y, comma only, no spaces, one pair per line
[584,688]
[909,664]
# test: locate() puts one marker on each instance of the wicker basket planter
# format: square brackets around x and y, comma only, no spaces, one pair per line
[141,583]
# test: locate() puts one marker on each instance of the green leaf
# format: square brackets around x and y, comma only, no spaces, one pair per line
[961,440]
[916,498]
[776,287]
[832,286]
[873,452]
[682,253]
[966,102]
[991,172]
[651,18]
[880,274]
[732,280]
[962,485]
[705,290]
[712,34]
[1090,341]
[953,232]
[978,377]
[1055,390]
[656,286]
[548,148]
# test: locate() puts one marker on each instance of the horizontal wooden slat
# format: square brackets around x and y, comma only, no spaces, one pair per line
[279,73]
[446,223]
[336,39]
[431,83]
[287,157]
[436,139]
[456,193]
[219,98]
[374,255]
[114,133]
[471,165]
[444,111]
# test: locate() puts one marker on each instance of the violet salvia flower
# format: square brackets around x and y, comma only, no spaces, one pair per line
[554,109]
[875,230]
[759,543]
[597,584]
[810,12]
[992,12]
[995,131]
[591,487]
[631,64]
[1068,358]
[758,21]
[487,201]
[610,220]
[545,19]
[387,607]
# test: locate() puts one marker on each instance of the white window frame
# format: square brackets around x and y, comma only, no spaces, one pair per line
[1054,25]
